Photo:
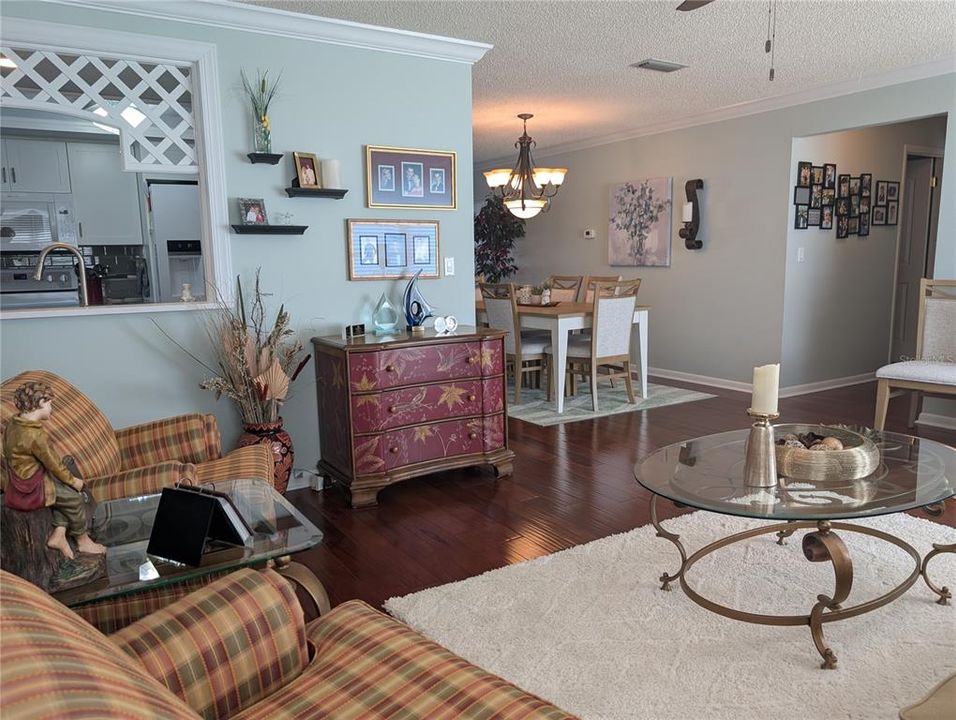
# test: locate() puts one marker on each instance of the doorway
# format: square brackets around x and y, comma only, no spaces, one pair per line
[916,243]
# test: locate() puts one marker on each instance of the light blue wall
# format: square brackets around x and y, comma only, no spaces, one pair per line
[334,101]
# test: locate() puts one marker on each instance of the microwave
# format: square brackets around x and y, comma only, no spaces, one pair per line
[31,221]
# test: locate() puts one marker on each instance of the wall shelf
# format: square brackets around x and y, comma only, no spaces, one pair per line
[269,229]
[266,158]
[315,192]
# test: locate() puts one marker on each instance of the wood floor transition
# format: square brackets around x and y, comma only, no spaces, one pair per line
[572,484]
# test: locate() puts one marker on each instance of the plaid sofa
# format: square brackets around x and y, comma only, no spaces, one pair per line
[134,461]
[238,648]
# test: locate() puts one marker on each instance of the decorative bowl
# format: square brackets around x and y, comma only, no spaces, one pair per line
[859,457]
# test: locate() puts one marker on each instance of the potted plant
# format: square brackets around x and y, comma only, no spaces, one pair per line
[496,230]
[536,293]
[546,292]
[261,93]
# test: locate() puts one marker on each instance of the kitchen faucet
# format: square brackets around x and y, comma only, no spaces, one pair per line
[84,298]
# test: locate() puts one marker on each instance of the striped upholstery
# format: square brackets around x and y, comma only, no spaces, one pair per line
[185,438]
[142,480]
[225,647]
[54,666]
[252,461]
[369,666]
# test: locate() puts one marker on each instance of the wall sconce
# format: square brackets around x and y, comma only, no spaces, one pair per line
[691,215]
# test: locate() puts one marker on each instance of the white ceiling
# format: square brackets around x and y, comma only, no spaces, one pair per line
[566,62]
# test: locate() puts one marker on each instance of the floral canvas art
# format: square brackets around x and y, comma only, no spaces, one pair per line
[639,233]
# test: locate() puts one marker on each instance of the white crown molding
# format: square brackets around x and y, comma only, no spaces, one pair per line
[282,23]
[898,76]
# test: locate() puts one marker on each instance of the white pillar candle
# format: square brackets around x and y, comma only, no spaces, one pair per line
[331,174]
[766,389]
[688,214]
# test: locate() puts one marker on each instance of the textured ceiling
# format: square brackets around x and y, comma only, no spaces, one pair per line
[566,62]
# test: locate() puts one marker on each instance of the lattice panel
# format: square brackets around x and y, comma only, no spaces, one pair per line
[151,103]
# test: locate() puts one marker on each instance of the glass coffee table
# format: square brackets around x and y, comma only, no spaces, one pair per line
[707,474]
[124,525]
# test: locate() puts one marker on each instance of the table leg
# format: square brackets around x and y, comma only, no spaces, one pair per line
[666,579]
[642,338]
[306,579]
[943,592]
[822,546]
[559,347]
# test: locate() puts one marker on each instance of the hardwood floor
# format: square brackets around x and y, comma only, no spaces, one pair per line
[572,484]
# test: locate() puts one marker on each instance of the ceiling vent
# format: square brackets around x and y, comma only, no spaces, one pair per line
[657,65]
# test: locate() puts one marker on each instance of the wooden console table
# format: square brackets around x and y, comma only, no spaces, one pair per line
[399,406]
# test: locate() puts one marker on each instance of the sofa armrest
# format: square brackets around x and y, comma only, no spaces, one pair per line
[141,481]
[226,646]
[187,438]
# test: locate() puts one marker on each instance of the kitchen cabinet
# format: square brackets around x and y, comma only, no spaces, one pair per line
[35,166]
[105,198]
[399,406]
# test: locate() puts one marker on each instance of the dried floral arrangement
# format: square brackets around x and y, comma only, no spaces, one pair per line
[256,363]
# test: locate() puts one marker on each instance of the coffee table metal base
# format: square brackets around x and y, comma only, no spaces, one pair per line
[822,545]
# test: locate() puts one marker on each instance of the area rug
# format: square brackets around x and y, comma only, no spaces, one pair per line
[590,630]
[536,408]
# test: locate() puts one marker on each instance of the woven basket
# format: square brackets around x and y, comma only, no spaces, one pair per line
[859,457]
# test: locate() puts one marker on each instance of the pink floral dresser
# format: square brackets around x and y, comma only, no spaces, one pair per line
[399,406]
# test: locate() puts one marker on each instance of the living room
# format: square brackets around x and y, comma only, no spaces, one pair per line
[529,538]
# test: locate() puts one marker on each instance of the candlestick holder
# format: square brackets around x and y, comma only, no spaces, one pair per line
[760,463]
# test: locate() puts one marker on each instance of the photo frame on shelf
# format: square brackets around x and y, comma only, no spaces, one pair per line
[843,186]
[801,216]
[801,195]
[410,178]
[804,174]
[307,170]
[252,211]
[879,215]
[829,176]
[892,210]
[386,249]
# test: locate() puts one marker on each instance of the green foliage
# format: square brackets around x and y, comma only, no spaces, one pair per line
[496,230]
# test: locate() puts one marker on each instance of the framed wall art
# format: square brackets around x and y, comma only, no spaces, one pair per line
[804,174]
[892,210]
[385,249]
[879,215]
[639,229]
[829,176]
[410,178]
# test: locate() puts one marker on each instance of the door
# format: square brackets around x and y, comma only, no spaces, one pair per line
[105,198]
[174,213]
[36,166]
[916,218]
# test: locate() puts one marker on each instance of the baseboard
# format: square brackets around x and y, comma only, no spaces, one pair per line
[807,388]
[934,420]
[700,379]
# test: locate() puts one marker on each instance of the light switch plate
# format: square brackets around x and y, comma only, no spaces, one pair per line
[449,267]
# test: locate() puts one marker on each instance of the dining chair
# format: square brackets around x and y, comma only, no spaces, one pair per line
[591,280]
[565,288]
[524,353]
[933,372]
[609,345]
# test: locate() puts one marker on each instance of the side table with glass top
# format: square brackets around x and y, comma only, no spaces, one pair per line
[707,474]
[278,531]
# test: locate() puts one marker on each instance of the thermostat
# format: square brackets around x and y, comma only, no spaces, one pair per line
[589,234]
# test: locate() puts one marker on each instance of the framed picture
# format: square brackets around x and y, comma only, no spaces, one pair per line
[880,193]
[639,223]
[252,211]
[864,229]
[813,217]
[816,196]
[879,215]
[854,186]
[306,169]
[384,249]
[804,174]
[817,175]
[842,227]
[843,207]
[829,176]
[866,184]
[801,195]
[826,217]
[410,178]
[892,210]
[843,186]
[892,192]
[865,207]
[854,206]
[828,196]
[853,225]
[801,217]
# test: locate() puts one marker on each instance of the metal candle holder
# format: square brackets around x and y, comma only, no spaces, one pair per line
[760,464]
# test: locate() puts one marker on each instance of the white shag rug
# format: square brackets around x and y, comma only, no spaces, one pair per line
[589,629]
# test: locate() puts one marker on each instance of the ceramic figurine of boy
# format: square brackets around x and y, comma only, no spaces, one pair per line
[37,477]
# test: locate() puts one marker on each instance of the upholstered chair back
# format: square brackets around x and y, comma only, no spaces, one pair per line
[613,318]
[77,427]
[502,310]
[591,280]
[938,321]
[565,288]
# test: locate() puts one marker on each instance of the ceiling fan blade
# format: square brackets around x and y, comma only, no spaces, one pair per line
[689,5]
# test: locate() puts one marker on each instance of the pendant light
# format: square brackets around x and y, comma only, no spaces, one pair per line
[525,189]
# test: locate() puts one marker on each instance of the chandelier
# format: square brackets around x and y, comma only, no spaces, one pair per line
[525,190]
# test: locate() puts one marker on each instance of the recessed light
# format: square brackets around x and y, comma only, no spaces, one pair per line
[657,65]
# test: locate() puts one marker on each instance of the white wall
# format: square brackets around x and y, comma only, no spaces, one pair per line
[334,100]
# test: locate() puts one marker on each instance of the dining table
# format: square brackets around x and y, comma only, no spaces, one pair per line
[560,319]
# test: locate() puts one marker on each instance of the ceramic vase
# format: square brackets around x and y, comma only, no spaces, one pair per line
[276,439]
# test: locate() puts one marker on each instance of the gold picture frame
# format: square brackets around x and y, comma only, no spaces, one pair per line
[411,178]
[390,249]
[308,172]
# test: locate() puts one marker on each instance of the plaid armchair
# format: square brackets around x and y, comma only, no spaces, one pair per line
[239,648]
[134,461]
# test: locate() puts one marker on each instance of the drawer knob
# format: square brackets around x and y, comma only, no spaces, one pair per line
[471,398]
[393,450]
[389,368]
[472,435]
[393,409]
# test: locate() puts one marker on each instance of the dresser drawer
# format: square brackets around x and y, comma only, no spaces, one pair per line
[433,442]
[375,412]
[413,366]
